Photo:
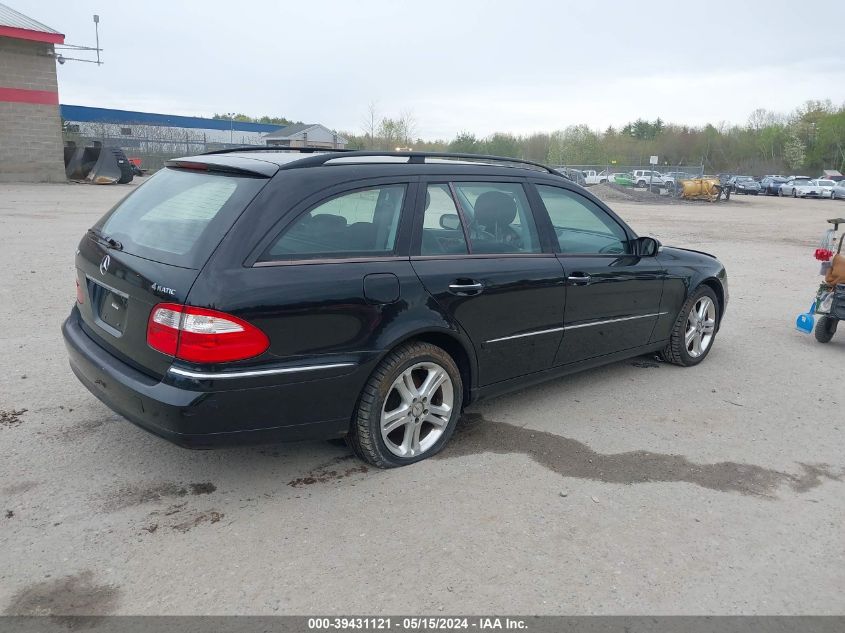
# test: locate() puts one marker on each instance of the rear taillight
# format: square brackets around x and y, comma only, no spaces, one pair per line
[80,296]
[200,335]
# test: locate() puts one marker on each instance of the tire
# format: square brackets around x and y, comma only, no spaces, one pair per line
[833,195]
[780,193]
[412,438]
[825,329]
[681,349]
[794,193]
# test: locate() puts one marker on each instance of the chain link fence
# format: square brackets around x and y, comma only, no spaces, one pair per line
[595,174]
[153,145]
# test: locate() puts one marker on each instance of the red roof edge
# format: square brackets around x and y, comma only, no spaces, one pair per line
[33,36]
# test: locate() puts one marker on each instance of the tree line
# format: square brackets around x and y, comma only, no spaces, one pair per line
[806,140]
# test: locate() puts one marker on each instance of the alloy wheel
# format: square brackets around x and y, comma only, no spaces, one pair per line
[701,326]
[417,409]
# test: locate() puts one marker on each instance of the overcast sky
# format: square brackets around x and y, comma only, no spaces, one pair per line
[515,66]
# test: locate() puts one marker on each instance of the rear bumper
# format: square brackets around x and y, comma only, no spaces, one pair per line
[186,413]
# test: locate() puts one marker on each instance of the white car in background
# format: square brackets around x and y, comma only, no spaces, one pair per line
[838,192]
[826,186]
[800,187]
[646,177]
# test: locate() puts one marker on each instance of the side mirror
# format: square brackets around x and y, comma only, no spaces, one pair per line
[450,221]
[647,246]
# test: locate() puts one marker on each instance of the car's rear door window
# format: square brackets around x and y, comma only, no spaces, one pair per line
[359,223]
[179,216]
[443,232]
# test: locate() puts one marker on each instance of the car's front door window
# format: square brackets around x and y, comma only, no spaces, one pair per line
[580,225]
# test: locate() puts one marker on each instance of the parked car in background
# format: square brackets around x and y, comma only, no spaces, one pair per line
[646,177]
[838,192]
[831,174]
[595,178]
[800,187]
[256,296]
[675,176]
[826,187]
[624,179]
[575,175]
[770,185]
[744,184]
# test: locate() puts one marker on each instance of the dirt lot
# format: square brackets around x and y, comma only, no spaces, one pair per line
[635,488]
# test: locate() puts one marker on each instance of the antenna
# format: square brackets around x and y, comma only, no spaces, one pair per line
[74,47]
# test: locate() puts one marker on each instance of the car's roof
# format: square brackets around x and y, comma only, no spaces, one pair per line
[268,162]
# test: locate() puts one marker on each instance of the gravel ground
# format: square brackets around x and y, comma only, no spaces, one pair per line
[637,488]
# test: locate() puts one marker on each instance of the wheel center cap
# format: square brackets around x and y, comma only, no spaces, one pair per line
[417,410]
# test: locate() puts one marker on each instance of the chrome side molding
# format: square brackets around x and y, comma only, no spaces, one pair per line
[207,375]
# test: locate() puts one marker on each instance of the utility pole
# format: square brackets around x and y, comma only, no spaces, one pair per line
[231,116]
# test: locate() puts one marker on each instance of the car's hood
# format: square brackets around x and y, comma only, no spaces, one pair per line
[670,249]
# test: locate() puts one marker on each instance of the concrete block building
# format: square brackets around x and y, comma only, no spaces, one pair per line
[30,127]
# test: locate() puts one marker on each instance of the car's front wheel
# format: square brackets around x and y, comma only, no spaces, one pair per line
[408,408]
[694,330]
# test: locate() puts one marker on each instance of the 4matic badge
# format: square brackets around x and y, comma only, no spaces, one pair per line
[159,288]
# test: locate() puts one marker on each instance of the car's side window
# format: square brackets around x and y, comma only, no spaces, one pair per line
[443,232]
[582,226]
[354,224]
[498,217]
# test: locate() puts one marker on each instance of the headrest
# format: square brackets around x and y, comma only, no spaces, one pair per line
[494,208]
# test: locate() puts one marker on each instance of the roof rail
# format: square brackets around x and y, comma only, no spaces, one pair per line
[276,148]
[348,157]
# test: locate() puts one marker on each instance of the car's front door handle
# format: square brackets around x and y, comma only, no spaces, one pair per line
[580,279]
[466,287]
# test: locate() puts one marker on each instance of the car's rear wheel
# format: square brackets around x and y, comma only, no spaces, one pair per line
[825,329]
[408,408]
[833,195]
[695,329]
[794,193]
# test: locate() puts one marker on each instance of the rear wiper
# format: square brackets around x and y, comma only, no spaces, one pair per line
[110,241]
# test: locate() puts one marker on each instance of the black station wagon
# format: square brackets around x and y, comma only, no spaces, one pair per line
[258,296]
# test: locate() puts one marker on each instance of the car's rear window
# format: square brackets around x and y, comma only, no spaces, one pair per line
[178,217]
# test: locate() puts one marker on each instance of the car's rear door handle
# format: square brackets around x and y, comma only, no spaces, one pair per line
[581,279]
[466,287]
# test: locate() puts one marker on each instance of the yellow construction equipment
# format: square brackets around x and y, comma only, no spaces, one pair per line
[708,189]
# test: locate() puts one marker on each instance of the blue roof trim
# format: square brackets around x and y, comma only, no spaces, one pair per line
[85,114]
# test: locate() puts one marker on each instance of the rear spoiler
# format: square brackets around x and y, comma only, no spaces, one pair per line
[226,164]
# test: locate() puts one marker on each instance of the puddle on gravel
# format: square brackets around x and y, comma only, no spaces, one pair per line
[82,429]
[19,488]
[136,494]
[324,473]
[12,417]
[71,595]
[570,458]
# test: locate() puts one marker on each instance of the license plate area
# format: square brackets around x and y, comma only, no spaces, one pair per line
[110,307]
